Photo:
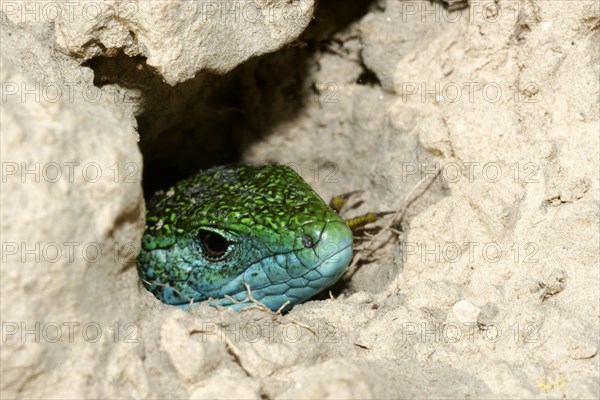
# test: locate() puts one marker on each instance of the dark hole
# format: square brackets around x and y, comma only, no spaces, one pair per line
[368,77]
[214,119]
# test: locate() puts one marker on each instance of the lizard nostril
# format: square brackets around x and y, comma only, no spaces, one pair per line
[307,241]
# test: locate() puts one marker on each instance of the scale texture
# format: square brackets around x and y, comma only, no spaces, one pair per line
[264,226]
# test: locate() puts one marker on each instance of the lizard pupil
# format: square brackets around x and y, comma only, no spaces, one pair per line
[213,244]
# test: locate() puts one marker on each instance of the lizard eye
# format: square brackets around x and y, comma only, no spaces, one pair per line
[213,245]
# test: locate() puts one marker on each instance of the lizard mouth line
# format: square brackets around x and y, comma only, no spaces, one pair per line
[328,258]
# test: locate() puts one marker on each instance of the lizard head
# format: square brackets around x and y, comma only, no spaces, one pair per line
[222,229]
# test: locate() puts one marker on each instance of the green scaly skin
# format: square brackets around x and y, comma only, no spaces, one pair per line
[223,228]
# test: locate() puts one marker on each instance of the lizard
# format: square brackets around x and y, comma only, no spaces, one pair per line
[228,229]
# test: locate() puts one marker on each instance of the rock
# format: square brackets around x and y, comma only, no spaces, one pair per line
[464,312]
[181,38]
[194,353]
[72,218]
